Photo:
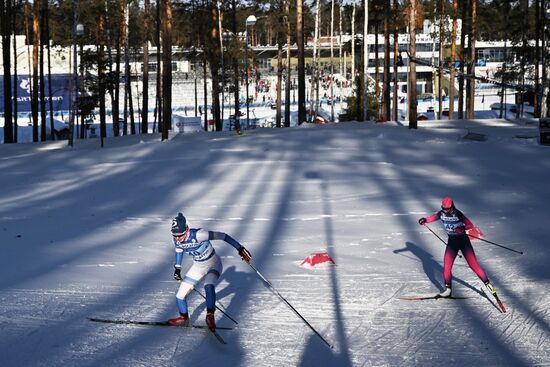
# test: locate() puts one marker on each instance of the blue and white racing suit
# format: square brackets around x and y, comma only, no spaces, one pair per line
[207,265]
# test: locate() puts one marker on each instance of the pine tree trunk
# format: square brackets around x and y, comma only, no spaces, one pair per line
[340,50]
[15,108]
[110,86]
[205,90]
[288,65]
[376,68]
[462,60]
[129,75]
[214,58]
[50,92]
[128,107]
[332,62]
[145,86]
[314,91]
[545,86]
[365,71]
[413,122]
[235,61]
[523,61]
[118,57]
[395,108]
[301,61]
[43,41]
[279,79]
[159,101]
[27,16]
[353,45]
[101,76]
[536,61]
[5,14]
[472,63]
[453,60]
[222,69]
[441,59]
[35,43]
[167,67]
[386,91]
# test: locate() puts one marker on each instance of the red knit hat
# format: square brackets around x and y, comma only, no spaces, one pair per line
[447,203]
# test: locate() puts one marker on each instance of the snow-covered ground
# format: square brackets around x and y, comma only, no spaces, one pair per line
[85,233]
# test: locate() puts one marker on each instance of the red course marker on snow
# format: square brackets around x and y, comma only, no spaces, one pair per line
[317,259]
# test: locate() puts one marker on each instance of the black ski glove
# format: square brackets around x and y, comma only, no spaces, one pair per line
[177,274]
[245,254]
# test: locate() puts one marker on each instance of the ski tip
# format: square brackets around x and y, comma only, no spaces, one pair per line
[202,326]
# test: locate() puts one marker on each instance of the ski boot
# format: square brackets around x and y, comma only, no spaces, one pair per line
[210,320]
[181,320]
[490,287]
[447,292]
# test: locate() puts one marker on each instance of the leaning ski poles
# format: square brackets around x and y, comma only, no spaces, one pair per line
[288,304]
[496,244]
[435,234]
[219,309]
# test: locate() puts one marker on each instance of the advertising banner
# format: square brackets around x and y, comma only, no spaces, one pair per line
[186,124]
[61,92]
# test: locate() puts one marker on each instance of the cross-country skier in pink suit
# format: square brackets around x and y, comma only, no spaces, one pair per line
[456,224]
[206,268]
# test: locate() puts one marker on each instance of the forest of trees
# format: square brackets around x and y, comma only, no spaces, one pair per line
[118,27]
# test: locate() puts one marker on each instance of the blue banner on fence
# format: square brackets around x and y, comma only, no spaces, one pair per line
[61,92]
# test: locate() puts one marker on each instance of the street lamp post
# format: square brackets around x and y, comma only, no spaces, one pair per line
[250,21]
[195,68]
[545,67]
[73,91]
[227,37]
[80,127]
[78,32]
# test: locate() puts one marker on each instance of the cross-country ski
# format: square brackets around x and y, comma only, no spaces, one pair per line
[437,296]
[151,323]
[165,323]
[500,304]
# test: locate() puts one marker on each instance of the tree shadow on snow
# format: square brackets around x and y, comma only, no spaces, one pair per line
[316,352]
[230,308]
[431,267]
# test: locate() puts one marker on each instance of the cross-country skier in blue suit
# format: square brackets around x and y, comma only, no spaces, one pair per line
[206,268]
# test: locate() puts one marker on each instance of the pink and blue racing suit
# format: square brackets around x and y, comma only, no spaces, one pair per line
[456,224]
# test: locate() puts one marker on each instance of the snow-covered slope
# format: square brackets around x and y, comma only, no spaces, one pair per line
[85,233]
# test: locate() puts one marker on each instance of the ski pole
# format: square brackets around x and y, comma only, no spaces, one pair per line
[435,234]
[496,244]
[219,309]
[288,304]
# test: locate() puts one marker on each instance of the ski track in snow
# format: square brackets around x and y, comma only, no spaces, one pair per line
[387,329]
[352,190]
